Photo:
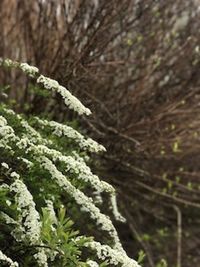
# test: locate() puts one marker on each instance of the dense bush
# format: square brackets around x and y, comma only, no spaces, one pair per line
[45,183]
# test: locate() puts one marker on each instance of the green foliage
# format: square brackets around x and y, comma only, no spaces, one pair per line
[162,263]
[60,232]
[141,256]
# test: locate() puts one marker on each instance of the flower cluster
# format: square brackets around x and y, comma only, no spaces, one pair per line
[81,199]
[6,134]
[5,259]
[28,145]
[71,101]
[30,70]
[71,164]
[113,256]
[65,130]
[92,263]
[29,219]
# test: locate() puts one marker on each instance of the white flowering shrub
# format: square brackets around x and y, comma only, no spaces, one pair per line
[46,184]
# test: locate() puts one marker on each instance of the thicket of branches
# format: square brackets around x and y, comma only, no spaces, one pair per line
[136,65]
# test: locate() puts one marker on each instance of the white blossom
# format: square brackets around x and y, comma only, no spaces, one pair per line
[3,121]
[69,132]
[31,133]
[97,197]
[5,165]
[29,218]
[5,259]
[85,174]
[6,133]
[113,256]
[34,149]
[8,62]
[92,263]
[8,202]
[86,203]
[41,257]
[24,142]
[4,186]
[115,210]
[8,219]
[74,166]
[49,207]
[28,163]
[4,95]
[28,225]
[78,167]
[71,101]
[14,175]
[30,70]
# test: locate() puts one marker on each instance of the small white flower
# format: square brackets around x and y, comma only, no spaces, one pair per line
[5,259]
[29,219]
[30,70]
[8,202]
[92,263]
[50,209]
[113,256]
[71,101]
[3,121]
[65,130]
[86,203]
[41,257]
[5,165]
[115,210]
[14,175]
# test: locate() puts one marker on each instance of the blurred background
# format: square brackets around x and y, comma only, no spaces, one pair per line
[136,65]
